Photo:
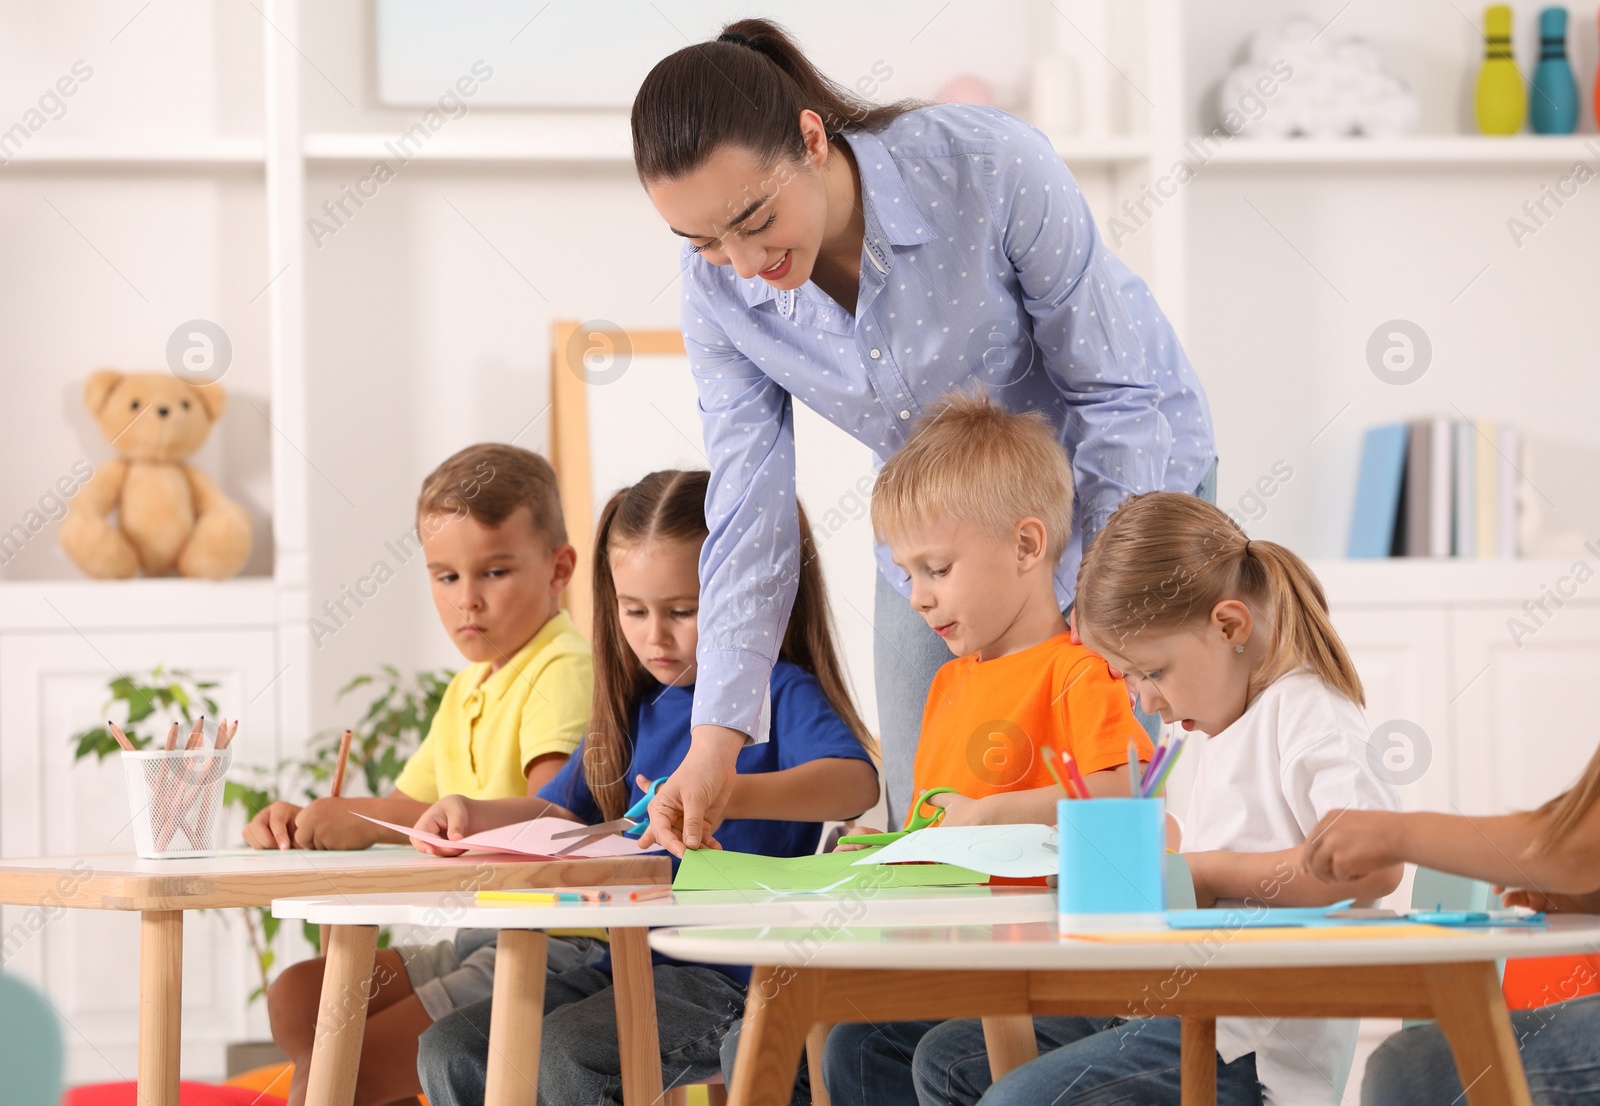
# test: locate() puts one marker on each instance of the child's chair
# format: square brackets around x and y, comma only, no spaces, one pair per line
[30,1045]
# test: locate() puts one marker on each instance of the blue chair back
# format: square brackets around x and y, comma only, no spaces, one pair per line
[1440,890]
[30,1046]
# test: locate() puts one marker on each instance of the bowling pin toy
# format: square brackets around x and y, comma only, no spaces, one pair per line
[1553,99]
[1500,101]
[1597,94]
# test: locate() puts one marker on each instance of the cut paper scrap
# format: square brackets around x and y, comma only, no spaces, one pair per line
[532,838]
[719,870]
[1015,852]
[1278,933]
[1260,917]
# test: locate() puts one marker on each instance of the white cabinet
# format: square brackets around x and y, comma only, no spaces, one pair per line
[1441,656]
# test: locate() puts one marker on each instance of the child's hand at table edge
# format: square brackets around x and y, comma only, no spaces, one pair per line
[273,827]
[1549,901]
[1352,844]
[451,817]
[333,824]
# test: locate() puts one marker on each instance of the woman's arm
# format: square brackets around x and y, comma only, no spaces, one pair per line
[1276,879]
[823,790]
[749,565]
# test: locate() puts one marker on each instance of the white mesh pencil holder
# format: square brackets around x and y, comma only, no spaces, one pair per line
[176,800]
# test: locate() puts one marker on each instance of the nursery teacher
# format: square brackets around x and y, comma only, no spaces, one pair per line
[864,259]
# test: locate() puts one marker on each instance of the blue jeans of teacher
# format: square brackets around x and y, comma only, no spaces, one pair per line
[579,1061]
[1082,1062]
[905,656]
[1560,1047]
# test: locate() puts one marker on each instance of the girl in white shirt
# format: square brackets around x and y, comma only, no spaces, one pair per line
[1231,638]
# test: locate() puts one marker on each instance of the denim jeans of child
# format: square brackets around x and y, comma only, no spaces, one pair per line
[579,1061]
[1560,1048]
[801,1095]
[1082,1062]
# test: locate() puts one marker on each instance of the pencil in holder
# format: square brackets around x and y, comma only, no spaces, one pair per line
[1110,857]
[176,801]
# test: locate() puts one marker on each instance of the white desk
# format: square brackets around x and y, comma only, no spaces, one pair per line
[161,890]
[866,973]
[516,1022]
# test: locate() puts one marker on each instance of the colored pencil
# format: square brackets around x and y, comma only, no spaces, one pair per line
[1166,767]
[122,738]
[1075,776]
[197,736]
[1049,756]
[649,893]
[344,758]
[1135,786]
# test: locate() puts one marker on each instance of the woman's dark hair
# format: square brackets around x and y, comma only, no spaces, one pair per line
[671,506]
[747,87]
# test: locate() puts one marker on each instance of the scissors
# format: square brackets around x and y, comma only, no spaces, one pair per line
[918,821]
[632,824]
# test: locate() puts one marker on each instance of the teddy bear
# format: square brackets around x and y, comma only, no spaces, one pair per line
[169,516]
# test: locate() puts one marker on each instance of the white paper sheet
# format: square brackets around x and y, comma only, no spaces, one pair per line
[533,838]
[1016,852]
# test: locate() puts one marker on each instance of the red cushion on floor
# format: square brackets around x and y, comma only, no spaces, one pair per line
[189,1094]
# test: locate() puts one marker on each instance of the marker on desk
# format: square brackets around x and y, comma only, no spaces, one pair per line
[1049,756]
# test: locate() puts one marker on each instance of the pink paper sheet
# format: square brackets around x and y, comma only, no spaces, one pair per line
[533,838]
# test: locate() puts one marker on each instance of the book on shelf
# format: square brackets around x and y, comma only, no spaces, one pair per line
[1437,487]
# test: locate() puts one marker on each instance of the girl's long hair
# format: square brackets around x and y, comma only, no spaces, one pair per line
[670,506]
[1165,559]
[747,93]
[1562,814]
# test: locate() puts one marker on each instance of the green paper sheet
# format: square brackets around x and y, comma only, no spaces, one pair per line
[717,870]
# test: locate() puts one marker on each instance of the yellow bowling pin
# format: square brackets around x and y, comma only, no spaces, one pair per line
[1500,101]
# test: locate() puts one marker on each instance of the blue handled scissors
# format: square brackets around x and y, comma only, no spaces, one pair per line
[919,820]
[632,824]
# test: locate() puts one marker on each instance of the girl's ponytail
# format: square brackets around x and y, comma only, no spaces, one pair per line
[1304,636]
[1166,559]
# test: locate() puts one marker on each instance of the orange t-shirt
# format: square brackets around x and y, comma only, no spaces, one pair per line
[985,720]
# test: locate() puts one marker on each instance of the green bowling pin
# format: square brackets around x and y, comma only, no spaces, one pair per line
[1501,99]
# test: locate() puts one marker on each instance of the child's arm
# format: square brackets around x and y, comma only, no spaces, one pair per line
[823,790]
[331,823]
[1498,849]
[1277,879]
[1036,805]
[542,769]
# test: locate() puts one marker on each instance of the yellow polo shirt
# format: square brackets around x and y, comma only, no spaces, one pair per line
[491,725]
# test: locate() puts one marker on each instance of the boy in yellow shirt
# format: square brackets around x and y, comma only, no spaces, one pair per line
[491,528]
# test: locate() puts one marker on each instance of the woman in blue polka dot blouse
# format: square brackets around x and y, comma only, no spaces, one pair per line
[863,259]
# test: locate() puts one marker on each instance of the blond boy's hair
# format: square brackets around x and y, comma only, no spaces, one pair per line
[970,458]
[489,481]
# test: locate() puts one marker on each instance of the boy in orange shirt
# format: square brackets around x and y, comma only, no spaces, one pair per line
[976,508]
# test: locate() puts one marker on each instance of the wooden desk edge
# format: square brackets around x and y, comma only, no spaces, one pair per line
[146,891]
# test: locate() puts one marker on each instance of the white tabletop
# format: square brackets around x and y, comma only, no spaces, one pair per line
[881,906]
[1037,946]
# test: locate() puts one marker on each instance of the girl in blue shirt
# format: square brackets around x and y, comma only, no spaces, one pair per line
[864,259]
[815,767]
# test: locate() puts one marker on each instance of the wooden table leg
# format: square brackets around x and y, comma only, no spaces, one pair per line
[160,1005]
[516,1018]
[637,1035]
[1011,1043]
[1198,1061]
[1471,1011]
[341,1015]
[816,1041]
[779,1011]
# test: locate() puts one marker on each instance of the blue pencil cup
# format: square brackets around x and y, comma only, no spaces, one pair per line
[1110,857]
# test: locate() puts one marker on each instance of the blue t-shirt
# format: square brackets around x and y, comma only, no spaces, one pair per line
[805,727]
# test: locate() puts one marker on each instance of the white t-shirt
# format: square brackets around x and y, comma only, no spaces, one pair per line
[1300,750]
